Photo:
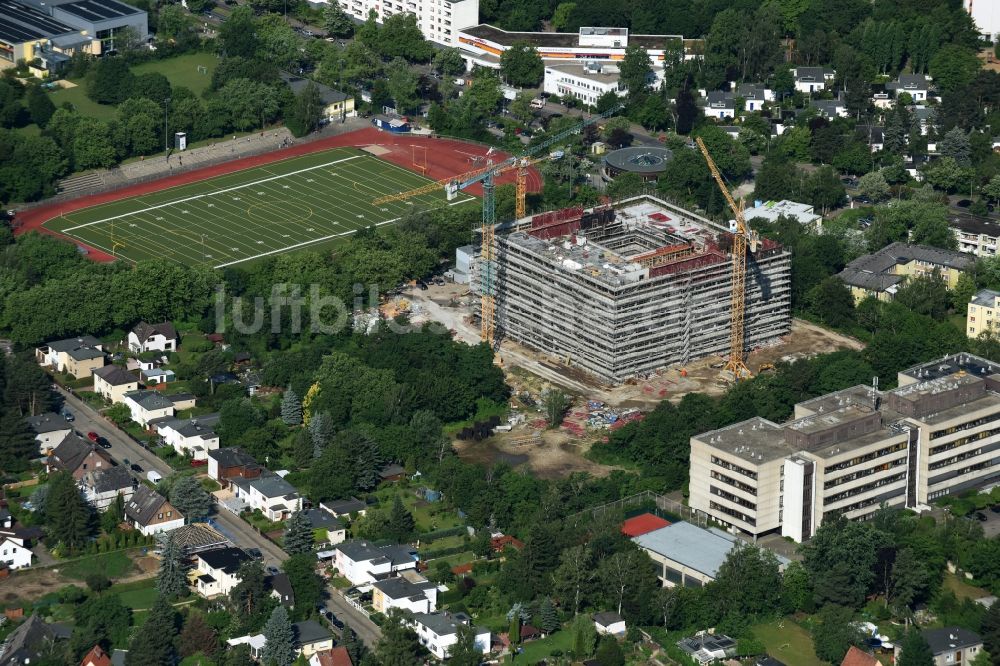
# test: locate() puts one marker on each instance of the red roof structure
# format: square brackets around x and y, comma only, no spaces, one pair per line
[96,657]
[337,656]
[858,657]
[501,542]
[642,524]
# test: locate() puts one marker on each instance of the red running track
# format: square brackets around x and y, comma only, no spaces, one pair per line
[443,158]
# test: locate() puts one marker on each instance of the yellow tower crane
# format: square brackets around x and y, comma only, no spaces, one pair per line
[743,239]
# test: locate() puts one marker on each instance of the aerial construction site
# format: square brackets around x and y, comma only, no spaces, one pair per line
[625,290]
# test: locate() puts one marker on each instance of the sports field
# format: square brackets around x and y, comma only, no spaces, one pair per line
[261,211]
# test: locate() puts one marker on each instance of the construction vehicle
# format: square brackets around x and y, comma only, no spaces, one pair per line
[487,177]
[744,239]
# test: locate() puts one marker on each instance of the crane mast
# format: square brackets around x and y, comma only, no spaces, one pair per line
[743,240]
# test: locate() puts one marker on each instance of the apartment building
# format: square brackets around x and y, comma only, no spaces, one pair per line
[587,82]
[851,451]
[438,20]
[883,273]
[975,234]
[982,314]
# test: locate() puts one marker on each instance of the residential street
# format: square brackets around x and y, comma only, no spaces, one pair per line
[232,527]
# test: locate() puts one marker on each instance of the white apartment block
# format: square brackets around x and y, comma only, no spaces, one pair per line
[438,20]
[983,314]
[439,631]
[851,451]
[976,235]
[363,563]
[586,83]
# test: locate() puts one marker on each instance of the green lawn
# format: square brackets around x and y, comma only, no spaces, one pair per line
[138,595]
[788,642]
[112,565]
[183,70]
[962,588]
[305,201]
[535,651]
[83,105]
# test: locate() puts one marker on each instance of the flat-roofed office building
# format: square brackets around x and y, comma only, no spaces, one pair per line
[851,451]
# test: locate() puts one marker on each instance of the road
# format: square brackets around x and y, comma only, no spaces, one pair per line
[86,419]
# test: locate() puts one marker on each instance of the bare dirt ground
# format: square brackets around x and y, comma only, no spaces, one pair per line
[33,583]
[555,454]
[147,564]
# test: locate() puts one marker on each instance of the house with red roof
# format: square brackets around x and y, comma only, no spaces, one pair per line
[337,656]
[642,524]
[858,657]
[500,543]
[96,657]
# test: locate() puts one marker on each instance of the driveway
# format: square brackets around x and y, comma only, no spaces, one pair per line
[366,630]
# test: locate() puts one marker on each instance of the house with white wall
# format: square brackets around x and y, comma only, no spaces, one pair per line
[720,104]
[75,356]
[917,85]
[193,437]
[101,487]
[14,554]
[438,632]
[813,79]
[409,591]
[112,382]
[153,337]
[272,495]
[50,430]
[362,562]
[146,405]
[149,512]
[217,571]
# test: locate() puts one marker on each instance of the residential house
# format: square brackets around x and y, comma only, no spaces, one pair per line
[873,135]
[101,487]
[77,456]
[255,642]
[344,508]
[976,235]
[29,641]
[917,85]
[338,656]
[500,542]
[337,105]
[270,494]
[882,273]
[321,520]
[112,382]
[408,591]
[770,211]
[75,356]
[983,314]
[363,563]
[830,108]
[857,657]
[13,553]
[311,637]
[96,657]
[153,337]
[217,571]
[813,79]
[720,104]
[754,96]
[183,401]
[149,512]
[281,589]
[439,631]
[146,405]
[50,430]
[706,648]
[609,623]
[951,646]
[230,463]
[686,555]
[644,523]
[926,118]
[194,437]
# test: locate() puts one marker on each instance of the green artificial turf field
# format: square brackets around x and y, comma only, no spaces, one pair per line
[261,211]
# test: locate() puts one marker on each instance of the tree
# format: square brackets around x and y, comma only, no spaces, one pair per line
[584,637]
[945,174]
[635,70]
[18,446]
[925,295]
[188,497]
[40,107]
[965,289]
[556,404]
[153,643]
[874,186]
[102,620]
[336,21]
[401,525]
[279,649]
[991,630]
[914,650]
[403,85]
[935,232]
[834,634]
[748,584]
[68,517]
[841,560]
[609,652]
[238,35]
[398,645]
[399,36]
[909,579]
[954,67]
[521,65]
[298,534]
[449,61]
[355,648]
[321,430]
[549,616]
[307,111]
[573,576]
[171,579]
[291,408]
[109,81]
[197,636]
[92,145]
[832,302]
[619,573]
[465,652]
[250,596]
[955,145]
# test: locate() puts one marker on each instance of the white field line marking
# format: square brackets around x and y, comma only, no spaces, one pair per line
[209,194]
[313,241]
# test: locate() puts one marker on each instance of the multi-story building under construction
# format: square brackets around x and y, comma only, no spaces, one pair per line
[627,290]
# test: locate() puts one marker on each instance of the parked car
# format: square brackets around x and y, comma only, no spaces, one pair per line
[981,517]
[995,508]
[255,553]
[69,416]
[964,203]
[136,467]
[93,436]
[272,570]
[103,443]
